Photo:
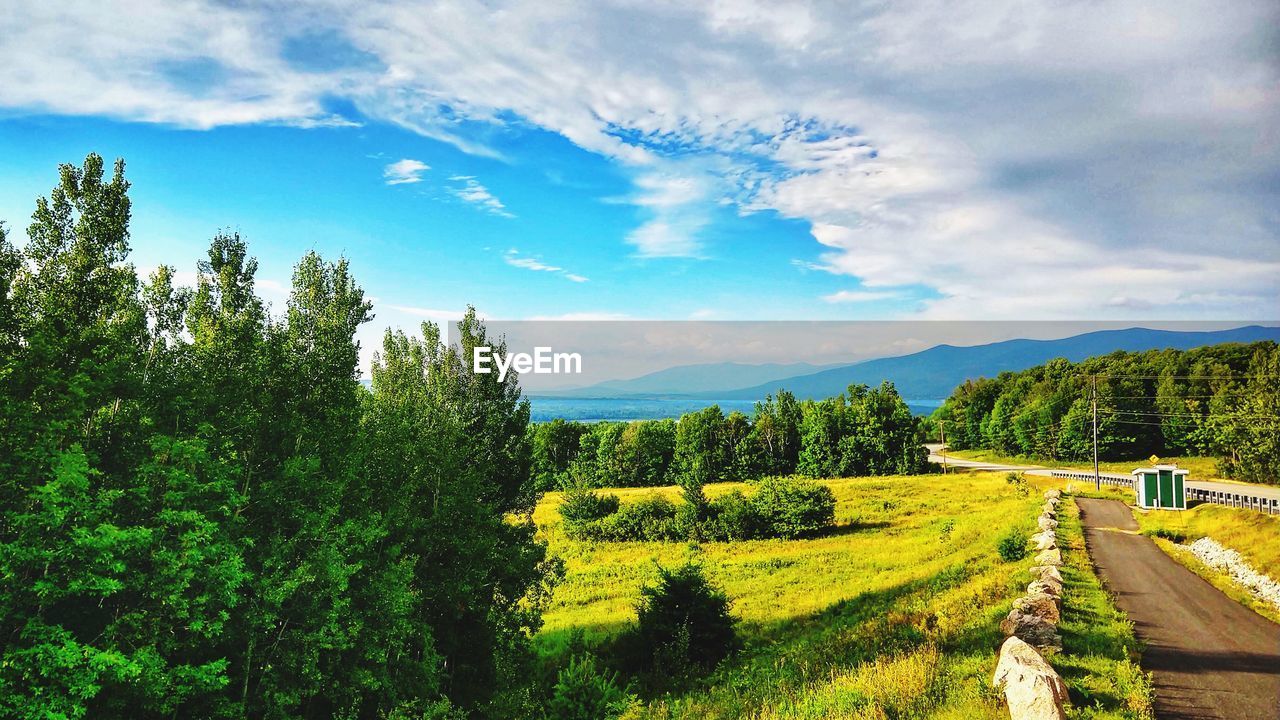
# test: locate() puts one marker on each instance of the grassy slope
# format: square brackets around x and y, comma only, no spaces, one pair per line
[892,615]
[1252,534]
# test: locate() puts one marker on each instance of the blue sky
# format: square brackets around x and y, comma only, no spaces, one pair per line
[728,160]
[545,236]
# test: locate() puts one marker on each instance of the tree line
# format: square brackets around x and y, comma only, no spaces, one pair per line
[203,513]
[1221,401]
[866,431]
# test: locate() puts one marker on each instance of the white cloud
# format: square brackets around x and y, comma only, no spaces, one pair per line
[857,296]
[404,171]
[1033,159]
[513,258]
[471,191]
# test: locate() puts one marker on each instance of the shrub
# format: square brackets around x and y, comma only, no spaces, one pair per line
[684,628]
[582,505]
[651,519]
[1012,546]
[585,692]
[733,517]
[792,508]
[782,507]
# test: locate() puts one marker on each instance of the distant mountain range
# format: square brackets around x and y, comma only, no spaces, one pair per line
[929,375]
[694,379]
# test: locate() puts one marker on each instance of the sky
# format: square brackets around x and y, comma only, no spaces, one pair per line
[668,160]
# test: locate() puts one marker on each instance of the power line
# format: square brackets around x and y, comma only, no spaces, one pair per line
[1232,416]
[1191,377]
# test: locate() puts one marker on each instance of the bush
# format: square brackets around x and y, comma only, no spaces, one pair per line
[733,517]
[585,692]
[780,508]
[652,519]
[684,628]
[1012,546]
[792,508]
[582,506]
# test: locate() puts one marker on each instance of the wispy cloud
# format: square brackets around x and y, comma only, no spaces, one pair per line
[858,296]
[513,258]
[404,171]
[677,207]
[471,191]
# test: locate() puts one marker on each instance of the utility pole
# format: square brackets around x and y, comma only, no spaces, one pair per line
[1093,393]
[942,432]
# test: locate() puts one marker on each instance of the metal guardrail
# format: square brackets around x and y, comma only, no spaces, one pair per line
[1116,480]
[1242,498]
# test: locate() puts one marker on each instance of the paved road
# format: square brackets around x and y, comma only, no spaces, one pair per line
[1209,656]
[1265,494]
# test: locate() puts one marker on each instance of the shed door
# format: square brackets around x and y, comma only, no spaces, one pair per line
[1149,495]
[1179,493]
[1166,489]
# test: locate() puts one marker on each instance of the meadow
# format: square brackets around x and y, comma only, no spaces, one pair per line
[893,614]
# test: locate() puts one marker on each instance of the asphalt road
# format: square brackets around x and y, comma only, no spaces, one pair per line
[1209,656]
[1260,491]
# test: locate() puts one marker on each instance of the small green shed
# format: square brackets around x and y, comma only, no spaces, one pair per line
[1162,487]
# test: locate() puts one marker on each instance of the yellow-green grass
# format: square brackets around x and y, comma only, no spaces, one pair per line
[1099,652]
[894,614]
[1201,468]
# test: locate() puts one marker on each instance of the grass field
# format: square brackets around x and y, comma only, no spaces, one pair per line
[893,615]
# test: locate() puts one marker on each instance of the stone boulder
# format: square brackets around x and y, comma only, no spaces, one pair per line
[1049,557]
[1031,628]
[1049,508]
[1049,586]
[1045,540]
[1046,572]
[1053,494]
[1040,605]
[1047,522]
[1031,687]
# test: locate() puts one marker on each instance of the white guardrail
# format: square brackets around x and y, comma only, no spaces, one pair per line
[1107,479]
[1262,500]
[1243,498]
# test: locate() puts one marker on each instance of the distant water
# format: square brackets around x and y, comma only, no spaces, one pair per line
[597,409]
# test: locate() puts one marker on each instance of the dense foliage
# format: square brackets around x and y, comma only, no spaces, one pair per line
[868,431]
[780,507]
[204,513]
[683,629]
[585,691]
[1221,400]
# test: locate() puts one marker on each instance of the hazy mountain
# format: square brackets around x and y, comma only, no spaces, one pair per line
[692,379]
[932,374]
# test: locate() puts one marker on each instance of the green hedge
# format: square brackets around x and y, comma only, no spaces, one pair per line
[779,508]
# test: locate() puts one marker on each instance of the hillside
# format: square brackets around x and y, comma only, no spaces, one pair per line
[934,373]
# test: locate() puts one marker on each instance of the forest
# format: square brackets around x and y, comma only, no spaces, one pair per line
[204,512]
[866,431]
[1221,401]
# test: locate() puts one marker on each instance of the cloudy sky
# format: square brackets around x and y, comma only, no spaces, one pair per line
[721,160]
